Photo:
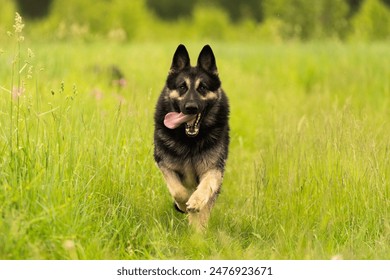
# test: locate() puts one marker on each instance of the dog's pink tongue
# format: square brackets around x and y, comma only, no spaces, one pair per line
[174,119]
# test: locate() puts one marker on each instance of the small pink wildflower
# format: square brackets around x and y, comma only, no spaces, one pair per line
[97,93]
[17,92]
[122,82]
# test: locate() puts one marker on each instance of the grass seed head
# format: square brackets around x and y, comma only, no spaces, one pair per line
[18,27]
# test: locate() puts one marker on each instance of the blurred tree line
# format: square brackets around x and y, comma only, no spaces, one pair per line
[297,19]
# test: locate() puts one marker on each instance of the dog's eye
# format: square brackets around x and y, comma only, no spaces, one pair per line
[182,88]
[202,88]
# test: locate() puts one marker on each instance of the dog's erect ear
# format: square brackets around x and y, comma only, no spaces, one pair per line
[181,59]
[206,60]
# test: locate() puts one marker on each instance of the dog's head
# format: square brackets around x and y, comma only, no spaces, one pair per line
[191,90]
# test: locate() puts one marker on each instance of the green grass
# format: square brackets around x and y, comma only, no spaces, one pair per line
[308,174]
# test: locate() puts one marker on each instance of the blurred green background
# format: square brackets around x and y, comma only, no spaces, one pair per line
[222,20]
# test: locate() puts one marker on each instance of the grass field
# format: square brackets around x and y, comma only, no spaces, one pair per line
[308,174]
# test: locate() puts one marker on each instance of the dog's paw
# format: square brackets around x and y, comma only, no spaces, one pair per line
[197,201]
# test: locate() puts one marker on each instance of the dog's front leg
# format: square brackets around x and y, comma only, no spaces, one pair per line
[201,201]
[179,192]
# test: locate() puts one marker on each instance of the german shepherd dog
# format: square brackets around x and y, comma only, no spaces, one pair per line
[191,136]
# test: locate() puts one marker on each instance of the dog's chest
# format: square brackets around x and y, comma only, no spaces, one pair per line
[189,177]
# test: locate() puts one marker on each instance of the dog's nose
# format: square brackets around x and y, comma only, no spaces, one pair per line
[191,108]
